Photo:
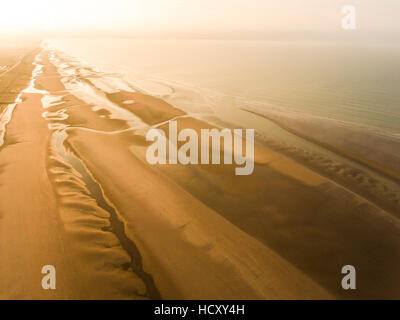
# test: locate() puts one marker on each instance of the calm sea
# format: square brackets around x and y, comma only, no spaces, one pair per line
[356,83]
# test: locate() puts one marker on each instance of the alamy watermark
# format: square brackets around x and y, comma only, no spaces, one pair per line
[349,280]
[49,280]
[349,17]
[188,153]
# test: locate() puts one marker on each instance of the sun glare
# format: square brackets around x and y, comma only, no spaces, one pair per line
[60,15]
[54,16]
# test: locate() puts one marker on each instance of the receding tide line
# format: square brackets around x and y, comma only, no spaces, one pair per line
[5,118]
[117,226]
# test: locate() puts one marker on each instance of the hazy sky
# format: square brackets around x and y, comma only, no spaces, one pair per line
[191,15]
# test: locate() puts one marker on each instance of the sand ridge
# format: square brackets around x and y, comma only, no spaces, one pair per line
[117,227]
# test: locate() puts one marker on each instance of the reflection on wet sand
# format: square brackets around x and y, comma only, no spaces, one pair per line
[131,230]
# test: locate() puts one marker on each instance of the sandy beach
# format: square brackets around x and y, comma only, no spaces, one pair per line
[76,192]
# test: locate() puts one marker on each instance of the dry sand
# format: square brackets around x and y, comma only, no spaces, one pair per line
[76,192]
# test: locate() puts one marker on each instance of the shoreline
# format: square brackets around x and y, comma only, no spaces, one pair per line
[284,169]
[165,261]
[202,233]
[392,175]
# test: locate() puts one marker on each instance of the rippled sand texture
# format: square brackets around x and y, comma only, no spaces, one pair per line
[76,192]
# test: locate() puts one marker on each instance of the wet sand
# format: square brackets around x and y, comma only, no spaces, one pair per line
[115,227]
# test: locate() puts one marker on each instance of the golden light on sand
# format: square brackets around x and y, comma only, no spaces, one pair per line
[210,167]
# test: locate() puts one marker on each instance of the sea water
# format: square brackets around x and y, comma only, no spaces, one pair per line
[357,83]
